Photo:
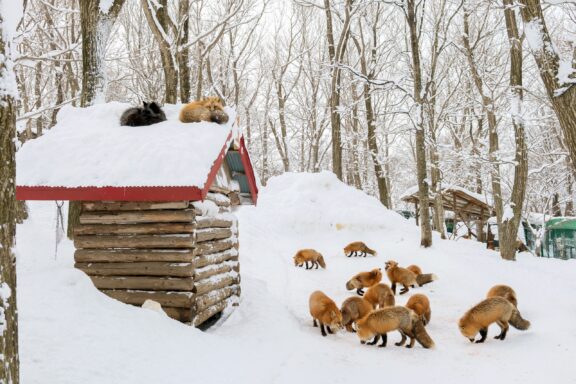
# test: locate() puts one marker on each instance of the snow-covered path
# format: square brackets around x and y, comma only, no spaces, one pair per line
[70,333]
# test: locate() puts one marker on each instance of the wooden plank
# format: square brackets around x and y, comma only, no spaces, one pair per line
[216,282]
[207,248]
[135,241]
[137,269]
[212,222]
[143,283]
[212,234]
[138,217]
[219,199]
[136,229]
[132,205]
[213,297]
[183,315]
[213,269]
[132,255]
[215,258]
[209,312]
[168,299]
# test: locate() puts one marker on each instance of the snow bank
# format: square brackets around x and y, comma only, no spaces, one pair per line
[320,202]
[88,147]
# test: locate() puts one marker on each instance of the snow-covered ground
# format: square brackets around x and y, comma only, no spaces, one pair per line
[71,333]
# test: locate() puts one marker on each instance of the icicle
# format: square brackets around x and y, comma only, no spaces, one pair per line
[59,232]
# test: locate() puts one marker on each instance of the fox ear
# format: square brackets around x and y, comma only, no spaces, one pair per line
[333,314]
[145,104]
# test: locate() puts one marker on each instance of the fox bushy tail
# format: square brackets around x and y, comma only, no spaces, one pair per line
[518,322]
[421,335]
[425,278]
[321,261]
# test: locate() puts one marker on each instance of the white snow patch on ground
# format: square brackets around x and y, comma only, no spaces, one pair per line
[71,333]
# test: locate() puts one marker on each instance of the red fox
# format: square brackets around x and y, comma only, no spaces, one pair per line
[356,247]
[364,280]
[207,109]
[505,292]
[400,275]
[421,278]
[493,310]
[420,304]
[380,295]
[353,309]
[304,256]
[323,309]
[381,321]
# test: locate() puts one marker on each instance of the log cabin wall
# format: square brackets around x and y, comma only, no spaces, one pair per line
[179,254]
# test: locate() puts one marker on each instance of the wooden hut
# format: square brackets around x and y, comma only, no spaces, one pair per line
[170,237]
[468,207]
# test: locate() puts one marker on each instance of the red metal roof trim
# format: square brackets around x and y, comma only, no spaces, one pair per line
[248,170]
[156,193]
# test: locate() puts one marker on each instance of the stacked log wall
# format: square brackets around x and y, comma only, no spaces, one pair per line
[169,252]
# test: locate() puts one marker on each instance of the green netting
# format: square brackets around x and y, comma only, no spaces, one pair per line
[560,238]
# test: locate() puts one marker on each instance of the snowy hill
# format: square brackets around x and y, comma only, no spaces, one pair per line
[71,333]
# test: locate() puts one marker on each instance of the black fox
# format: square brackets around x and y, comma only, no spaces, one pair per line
[149,114]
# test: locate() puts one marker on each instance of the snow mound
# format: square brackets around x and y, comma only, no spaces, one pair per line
[88,147]
[319,202]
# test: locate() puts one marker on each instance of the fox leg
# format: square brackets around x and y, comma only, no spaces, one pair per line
[307,265]
[393,287]
[404,290]
[384,340]
[483,334]
[329,329]
[364,253]
[503,330]
[349,327]
[322,329]
[360,291]
[316,264]
[314,322]
[401,342]
[376,338]
[412,339]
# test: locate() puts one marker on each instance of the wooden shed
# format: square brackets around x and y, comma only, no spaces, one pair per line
[467,206]
[168,233]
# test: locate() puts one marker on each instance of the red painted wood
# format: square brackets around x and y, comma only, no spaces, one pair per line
[109,193]
[248,170]
[216,166]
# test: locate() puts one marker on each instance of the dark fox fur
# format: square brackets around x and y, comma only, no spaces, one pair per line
[148,114]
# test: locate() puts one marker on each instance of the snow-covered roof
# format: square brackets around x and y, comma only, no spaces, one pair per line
[89,148]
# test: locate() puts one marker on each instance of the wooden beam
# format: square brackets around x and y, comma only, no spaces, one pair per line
[134,229]
[143,283]
[210,247]
[132,255]
[92,206]
[212,222]
[138,217]
[168,299]
[212,234]
[213,297]
[215,258]
[209,312]
[210,284]
[135,241]
[137,269]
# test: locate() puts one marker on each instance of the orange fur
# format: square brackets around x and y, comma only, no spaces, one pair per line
[360,247]
[364,280]
[503,291]
[207,109]
[400,275]
[323,309]
[353,309]
[420,304]
[304,256]
[380,295]
[493,310]
[415,269]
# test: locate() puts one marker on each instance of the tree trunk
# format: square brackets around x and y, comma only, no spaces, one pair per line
[158,20]
[509,231]
[96,28]
[423,193]
[9,362]
[183,55]
[562,96]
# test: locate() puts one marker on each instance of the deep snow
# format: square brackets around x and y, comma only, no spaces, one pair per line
[71,333]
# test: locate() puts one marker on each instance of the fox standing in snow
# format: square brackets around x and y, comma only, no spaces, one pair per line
[381,321]
[356,247]
[207,109]
[380,295]
[304,256]
[493,310]
[323,309]
[421,278]
[420,304]
[505,292]
[353,309]
[400,275]
[364,280]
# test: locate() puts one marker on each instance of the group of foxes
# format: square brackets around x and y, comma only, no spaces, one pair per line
[207,109]
[375,313]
